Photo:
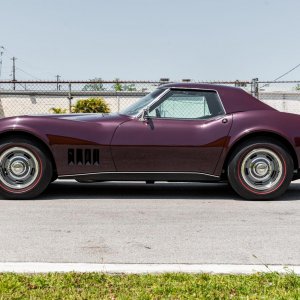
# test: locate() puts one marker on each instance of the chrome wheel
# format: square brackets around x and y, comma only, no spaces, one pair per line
[261,169]
[19,168]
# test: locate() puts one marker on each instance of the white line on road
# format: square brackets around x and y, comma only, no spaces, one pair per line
[36,267]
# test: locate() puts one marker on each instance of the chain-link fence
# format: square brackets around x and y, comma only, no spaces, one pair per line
[30,97]
[282,95]
[42,97]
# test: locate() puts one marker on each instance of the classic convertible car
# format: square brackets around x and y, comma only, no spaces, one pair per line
[179,132]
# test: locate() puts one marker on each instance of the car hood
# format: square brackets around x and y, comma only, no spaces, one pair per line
[98,118]
[84,117]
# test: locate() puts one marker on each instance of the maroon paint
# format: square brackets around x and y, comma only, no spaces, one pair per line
[284,125]
[172,145]
[60,133]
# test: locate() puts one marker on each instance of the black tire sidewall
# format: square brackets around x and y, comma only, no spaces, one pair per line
[241,187]
[45,170]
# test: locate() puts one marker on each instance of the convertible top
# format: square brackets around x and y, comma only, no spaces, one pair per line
[234,99]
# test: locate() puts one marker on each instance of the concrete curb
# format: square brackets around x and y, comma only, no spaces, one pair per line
[36,267]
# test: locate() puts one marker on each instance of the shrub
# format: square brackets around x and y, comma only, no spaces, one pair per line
[58,110]
[91,105]
[96,86]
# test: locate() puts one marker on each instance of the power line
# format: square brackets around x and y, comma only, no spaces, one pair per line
[289,71]
[29,65]
[14,66]
[28,73]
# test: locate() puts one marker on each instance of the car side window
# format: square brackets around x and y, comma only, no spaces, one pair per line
[187,104]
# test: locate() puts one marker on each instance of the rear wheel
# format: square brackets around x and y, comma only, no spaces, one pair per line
[260,170]
[25,169]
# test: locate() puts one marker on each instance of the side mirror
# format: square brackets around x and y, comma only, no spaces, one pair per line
[145,114]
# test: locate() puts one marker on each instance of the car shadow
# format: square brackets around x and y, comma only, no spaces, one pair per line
[139,190]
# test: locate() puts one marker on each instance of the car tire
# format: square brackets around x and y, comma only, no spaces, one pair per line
[260,169]
[25,169]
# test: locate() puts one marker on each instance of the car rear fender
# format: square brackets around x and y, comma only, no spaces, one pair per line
[247,127]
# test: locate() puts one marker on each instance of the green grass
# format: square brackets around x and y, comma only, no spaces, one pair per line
[165,286]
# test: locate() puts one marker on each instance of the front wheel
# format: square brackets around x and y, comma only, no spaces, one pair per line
[25,169]
[260,170]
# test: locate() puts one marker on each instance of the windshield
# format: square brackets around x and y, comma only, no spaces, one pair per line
[136,107]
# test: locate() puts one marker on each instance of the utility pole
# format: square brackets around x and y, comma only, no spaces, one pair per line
[14,71]
[1,54]
[57,79]
[70,97]
[255,87]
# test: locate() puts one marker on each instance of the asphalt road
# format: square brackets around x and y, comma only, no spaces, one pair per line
[161,223]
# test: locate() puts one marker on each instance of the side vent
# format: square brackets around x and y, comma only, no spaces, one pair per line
[71,157]
[79,157]
[96,157]
[85,157]
[88,156]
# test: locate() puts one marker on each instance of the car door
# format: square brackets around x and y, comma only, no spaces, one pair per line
[184,131]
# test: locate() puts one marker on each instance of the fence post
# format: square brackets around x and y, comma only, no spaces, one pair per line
[118,102]
[1,109]
[283,103]
[70,98]
[254,87]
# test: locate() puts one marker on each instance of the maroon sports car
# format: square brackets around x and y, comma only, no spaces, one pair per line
[179,132]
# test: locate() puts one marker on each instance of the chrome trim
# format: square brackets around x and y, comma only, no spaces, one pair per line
[99,173]
[261,169]
[139,115]
[19,168]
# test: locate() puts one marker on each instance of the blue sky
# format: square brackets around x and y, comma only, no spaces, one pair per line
[150,39]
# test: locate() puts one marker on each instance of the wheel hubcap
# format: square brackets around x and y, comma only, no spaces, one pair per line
[261,169]
[19,168]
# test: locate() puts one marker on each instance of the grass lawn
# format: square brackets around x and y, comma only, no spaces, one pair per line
[164,286]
